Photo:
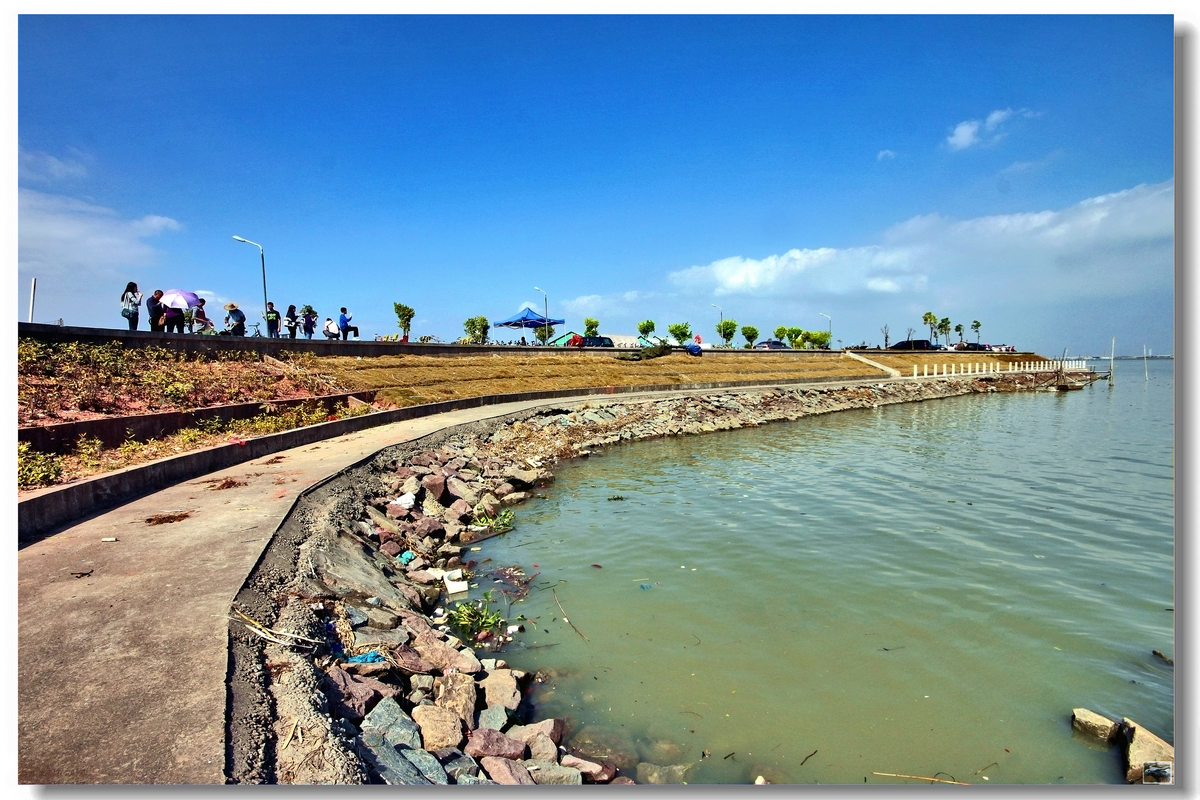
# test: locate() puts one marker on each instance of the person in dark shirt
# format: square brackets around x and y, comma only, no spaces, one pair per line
[155,309]
[272,317]
[291,322]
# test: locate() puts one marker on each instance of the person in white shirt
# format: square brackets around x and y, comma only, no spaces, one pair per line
[331,329]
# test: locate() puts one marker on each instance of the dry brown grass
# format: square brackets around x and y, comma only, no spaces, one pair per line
[406,380]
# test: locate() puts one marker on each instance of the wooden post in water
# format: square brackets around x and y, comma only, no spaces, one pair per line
[1112,356]
[1145,364]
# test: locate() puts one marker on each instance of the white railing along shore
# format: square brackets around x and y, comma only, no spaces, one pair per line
[946,370]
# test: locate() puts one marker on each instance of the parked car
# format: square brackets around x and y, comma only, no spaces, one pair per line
[913,344]
[973,346]
[597,341]
[771,344]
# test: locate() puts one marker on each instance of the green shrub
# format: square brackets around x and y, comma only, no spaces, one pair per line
[35,469]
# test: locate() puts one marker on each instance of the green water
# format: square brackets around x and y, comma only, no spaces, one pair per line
[923,589]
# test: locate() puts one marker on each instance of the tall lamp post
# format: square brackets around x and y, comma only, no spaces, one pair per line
[264,270]
[718,308]
[826,316]
[546,318]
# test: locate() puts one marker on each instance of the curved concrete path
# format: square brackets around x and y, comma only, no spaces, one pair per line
[122,645]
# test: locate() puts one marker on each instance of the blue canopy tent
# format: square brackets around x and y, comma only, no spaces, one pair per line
[528,318]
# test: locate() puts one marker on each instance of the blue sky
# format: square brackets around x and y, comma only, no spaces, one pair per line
[1014,170]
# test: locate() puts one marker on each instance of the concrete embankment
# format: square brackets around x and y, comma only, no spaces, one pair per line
[366,685]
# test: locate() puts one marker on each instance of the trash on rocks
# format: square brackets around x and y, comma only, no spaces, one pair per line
[109,539]
[454,583]
[370,657]
[407,500]
[406,557]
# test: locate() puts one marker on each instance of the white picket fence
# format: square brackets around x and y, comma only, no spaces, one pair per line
[945,370]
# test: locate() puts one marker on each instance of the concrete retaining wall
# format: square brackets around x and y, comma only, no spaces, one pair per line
[47,509]
[113,431]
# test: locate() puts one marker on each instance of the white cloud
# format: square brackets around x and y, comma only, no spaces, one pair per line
[996,117]
[1103,246]
[42,167]
[965,134]
[882,154]
[64,235]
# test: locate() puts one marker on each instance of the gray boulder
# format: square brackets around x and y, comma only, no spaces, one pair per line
[427,764]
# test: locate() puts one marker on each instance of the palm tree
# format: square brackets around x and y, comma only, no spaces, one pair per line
[975,326]
[959,330]
[931,321]
[944,328]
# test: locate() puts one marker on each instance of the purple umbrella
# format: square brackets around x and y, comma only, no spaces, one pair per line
[179,298]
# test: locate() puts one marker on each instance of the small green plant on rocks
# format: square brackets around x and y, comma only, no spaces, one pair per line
[499,524]
[474,618]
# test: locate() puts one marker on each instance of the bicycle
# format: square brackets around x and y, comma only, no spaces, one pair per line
[257,332]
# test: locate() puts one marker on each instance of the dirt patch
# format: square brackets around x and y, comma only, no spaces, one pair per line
[166,519]
[226,483]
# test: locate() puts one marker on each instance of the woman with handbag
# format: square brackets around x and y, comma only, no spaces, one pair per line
[131,301]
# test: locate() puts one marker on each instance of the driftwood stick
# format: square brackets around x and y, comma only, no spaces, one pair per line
[919,778]
[564,613]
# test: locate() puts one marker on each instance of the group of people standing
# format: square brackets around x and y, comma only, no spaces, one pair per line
[164,319]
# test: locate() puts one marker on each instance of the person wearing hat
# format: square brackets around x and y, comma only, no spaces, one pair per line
[235,320]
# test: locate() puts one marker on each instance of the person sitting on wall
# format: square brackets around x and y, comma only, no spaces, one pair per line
[331,329]
[235,320]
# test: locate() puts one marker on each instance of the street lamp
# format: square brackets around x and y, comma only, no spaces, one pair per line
[718,308]
[826,316]
[546,319]
[264,269]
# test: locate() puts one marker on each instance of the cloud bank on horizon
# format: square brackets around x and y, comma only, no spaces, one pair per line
[1110,245]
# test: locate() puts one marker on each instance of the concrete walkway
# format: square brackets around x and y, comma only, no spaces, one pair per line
[122,645]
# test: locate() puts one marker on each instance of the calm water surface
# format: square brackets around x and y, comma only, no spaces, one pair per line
[923,588]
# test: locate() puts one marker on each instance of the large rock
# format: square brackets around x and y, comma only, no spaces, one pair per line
[456,762]
[556,729]
[382,618]
[1142,746]
[458,511]
[349,696]
[410,660]
[456,692]
[443,656]
[435,486]
[440,727]
[388,723]
[514,498]
[388,638]
[542,748]
[551,772]
[521,478]
[488,506]
[1093,725]
[495,718]
[500,689]
[428,765]
[430,525]
[505,770]
[654,773]
[488,742]
[604,744]
[411,485]
[462,491]
[596,773]
[343,565]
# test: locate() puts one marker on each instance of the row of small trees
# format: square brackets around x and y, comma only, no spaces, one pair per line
[727,329]
[941,327]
